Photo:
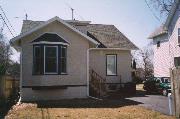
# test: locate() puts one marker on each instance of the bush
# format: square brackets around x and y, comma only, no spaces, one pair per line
[130,87]
[2,69]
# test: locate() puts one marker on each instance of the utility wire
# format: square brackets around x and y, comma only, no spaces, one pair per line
[152,11]
[6,25]
[7,19]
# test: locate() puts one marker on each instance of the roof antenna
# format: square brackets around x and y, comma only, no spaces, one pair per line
[72,13]
[26,16]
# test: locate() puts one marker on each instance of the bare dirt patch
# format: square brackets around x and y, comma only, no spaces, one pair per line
[70,110]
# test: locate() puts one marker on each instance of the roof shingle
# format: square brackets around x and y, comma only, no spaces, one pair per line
[108,35]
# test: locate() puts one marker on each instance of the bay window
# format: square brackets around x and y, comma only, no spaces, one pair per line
[49,59]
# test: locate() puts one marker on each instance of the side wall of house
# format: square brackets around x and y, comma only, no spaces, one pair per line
[97,61]
[76,67]
[161,57]
[173,39]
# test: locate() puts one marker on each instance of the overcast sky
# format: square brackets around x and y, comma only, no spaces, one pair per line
[131,17]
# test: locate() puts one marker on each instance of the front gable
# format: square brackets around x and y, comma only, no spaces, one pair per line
[16,41]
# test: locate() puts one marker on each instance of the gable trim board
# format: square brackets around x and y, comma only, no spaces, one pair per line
[17,38]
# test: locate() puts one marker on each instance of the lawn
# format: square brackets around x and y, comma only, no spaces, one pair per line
[83,109]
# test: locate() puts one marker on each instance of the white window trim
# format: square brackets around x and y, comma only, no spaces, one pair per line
[45,60]
[46,42]
[115,56]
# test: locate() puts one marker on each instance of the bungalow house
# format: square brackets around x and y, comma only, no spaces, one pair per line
[166,40]
[63,59]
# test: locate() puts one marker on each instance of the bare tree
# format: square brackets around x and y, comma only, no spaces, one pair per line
[144,61]
[5,53]
[163,6]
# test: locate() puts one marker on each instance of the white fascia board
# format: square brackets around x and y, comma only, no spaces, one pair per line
[48,22]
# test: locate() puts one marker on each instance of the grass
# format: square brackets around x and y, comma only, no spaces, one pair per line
[83,109]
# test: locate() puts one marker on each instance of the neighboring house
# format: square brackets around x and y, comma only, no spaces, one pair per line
[166,40]
[58,56]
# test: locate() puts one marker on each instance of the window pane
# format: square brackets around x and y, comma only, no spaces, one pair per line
[111,64]
[50,59]
[37,52]
[37,60]
[63,52]
[37,66]
[63,65]
[63,59]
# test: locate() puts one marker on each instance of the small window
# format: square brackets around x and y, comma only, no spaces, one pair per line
[177,61]
[158,44]
[63,61]
[111,65]
[37,60]
[51,62]
[178,35]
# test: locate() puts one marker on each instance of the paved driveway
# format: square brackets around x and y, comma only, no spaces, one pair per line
[154,102]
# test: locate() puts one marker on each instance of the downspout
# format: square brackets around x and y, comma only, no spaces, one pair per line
[88,72]
[20,83]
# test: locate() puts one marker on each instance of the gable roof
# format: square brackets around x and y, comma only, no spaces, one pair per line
[35,27]
[107,35]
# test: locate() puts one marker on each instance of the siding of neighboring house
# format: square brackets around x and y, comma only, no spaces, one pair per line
[173,33]
[161,57]
[76,67]
[97,61]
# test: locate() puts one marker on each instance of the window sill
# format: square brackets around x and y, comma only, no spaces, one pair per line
[112,75]
[48,74]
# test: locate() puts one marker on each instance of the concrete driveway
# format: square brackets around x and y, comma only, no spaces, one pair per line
[154,102]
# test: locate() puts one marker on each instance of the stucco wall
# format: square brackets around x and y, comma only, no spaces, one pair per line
[76,58]
[97,61]
[161,57]
[69,93]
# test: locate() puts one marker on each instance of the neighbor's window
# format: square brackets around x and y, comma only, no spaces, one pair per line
[178,35]
[177,61]
[158,44]
[51,59]
[111,65]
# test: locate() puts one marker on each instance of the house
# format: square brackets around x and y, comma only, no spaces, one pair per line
[64,59]
[166,40]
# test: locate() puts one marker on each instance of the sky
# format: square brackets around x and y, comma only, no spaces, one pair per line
[132,17]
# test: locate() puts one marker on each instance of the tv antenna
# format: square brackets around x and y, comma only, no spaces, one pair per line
[72,13]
